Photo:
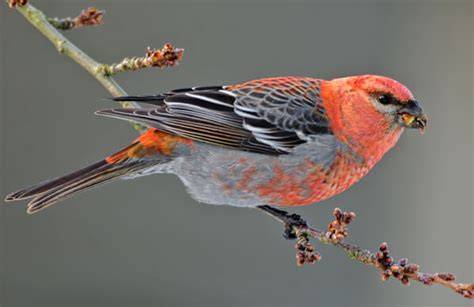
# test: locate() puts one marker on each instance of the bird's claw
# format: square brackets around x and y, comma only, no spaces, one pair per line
[293,221]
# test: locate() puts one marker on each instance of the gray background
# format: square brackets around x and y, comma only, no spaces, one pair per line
[146,242]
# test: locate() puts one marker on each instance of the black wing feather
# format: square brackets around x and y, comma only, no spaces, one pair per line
[258,117]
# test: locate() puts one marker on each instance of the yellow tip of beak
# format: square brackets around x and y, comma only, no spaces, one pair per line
[408,119]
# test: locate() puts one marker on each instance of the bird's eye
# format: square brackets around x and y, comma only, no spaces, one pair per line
[385,99]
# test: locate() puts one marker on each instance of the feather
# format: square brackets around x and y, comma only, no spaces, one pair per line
[52,191]
[267,116]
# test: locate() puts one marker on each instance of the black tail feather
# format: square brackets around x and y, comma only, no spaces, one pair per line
[52,183]
[52,191]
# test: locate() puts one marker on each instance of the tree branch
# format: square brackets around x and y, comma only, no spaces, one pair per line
[100,71]
[297,228]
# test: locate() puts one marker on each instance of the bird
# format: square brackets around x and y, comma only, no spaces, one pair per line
[276,142]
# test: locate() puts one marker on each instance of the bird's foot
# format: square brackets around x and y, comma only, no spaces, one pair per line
[292,221]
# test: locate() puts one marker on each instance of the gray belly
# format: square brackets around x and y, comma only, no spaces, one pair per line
[221,176]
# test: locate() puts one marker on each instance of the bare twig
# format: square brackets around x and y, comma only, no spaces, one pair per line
[89,17]
[334,235]
[64,46]
[168,56]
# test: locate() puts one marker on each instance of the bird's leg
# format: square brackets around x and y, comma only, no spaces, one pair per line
[295,228]
[290,220]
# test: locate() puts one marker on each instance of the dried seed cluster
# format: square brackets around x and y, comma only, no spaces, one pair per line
[167,56]
[401,270]
[337,229]
[305,252]
[88,17]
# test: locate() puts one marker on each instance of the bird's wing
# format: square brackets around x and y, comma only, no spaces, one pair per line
[268,116]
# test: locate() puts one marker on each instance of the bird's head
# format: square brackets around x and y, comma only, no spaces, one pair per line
[369,112]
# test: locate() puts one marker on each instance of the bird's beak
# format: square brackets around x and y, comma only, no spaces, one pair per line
[412,116]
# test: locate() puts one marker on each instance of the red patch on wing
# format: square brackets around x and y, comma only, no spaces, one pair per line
[150,143]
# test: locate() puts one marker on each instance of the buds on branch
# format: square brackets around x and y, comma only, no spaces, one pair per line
[335,234]
[14,3]
[88,17]
[168,56]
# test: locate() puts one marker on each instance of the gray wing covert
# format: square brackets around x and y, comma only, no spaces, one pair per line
[282,112]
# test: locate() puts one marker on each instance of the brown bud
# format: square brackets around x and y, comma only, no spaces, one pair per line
[395,268]
[300,259]
[467,293]
[379,255]
[426,279]
[311,260]
[412,268]
[447,276]
[405,280]
[299,247]
[383,247]
[389,260]
[385,275]
[89,17]
[13,3]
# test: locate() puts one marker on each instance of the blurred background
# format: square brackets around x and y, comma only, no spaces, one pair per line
[146,242]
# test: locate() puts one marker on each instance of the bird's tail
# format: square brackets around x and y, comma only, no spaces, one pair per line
[113,167]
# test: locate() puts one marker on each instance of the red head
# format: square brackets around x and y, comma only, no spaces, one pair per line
[369,112]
